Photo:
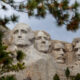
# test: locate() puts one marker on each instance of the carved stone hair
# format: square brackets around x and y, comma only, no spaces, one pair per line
[36,32]
[76,40]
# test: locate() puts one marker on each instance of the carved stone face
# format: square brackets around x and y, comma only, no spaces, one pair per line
[42,41]
[77,51]
[58,52]
[22,35]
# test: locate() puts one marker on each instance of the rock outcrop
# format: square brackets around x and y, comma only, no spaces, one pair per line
[44,57]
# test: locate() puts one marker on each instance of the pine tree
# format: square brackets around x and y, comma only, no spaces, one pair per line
[77,77]
[7,61]
[67,73]
[56,77]
[8,78]
[58,9]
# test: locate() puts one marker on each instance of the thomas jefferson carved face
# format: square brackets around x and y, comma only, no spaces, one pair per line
[22,35]
[58,52]
[42,41]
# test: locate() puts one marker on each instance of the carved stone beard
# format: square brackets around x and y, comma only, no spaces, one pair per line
[22,35]
[42,42]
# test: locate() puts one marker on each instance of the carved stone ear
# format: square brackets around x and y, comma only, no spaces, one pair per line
[10,38]
[50,47]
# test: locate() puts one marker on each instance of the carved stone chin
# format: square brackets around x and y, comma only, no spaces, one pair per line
[58,52]
[22,35]
[42,41]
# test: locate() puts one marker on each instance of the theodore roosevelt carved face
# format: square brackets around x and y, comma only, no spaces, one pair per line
[77,51]
[22,35]
[42,41]
[58,51]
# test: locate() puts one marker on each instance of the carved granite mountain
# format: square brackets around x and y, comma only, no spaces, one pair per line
[6,32]
[44,57]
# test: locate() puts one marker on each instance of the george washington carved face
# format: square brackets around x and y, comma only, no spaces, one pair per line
[42,41]
[22,35]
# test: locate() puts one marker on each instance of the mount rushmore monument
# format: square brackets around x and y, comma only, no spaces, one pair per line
[44,57]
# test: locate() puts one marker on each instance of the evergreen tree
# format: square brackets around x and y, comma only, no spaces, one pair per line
[8,78]
[7,61]
[56,77]
[67,73]
[59,9]
[77,77]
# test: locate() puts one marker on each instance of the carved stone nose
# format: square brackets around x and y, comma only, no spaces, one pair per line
[19,37]
[43,42]
[78,54]
[62,54]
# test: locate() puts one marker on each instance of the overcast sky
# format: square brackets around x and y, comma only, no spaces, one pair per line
[48,24]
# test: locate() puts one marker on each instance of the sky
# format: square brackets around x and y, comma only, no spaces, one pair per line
[48,24]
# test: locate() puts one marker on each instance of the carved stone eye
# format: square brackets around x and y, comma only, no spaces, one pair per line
[64,50]
[76,49]
[46,38]
[23,31]
[58,49]
[38,38]
[77,41]
[16,31]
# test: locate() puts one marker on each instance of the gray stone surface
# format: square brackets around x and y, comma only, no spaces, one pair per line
[44,57]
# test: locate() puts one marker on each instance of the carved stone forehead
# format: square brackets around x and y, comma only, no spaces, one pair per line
[40,33]
[22,26]
[43,33]
[77,45]
[76,40]
[59,45]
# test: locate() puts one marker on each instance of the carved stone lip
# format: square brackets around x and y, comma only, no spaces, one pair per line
[60,58]
[60,61]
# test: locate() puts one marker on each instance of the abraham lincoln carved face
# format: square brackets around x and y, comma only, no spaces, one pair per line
[76,48]
[22,35]
[42,41]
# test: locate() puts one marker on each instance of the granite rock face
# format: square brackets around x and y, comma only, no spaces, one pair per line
[44,57]
[6,31]
[40,68]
